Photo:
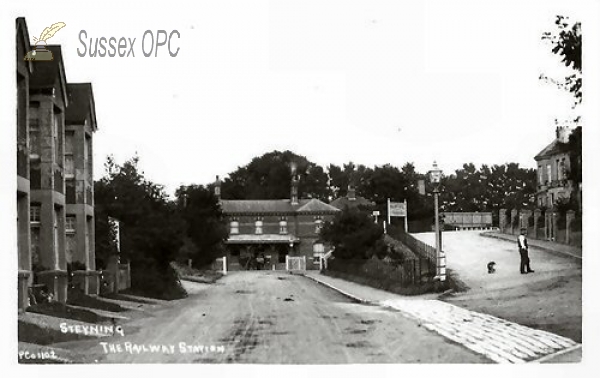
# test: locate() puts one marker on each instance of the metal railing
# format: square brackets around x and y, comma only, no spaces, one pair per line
[418,247]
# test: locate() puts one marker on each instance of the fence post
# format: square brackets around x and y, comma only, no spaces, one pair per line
[225,265]
[502,220]
[570,217]
[514,214]
[287,258]
[555,225]
[547,224]
[525,215]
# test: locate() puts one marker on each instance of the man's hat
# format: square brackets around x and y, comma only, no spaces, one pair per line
[523,230]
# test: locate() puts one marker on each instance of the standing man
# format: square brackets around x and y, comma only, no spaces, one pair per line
[524,251]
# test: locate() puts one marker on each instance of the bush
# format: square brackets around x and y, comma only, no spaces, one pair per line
[353,235]
[157,282]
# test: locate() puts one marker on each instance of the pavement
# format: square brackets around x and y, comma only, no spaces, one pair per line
[499,340]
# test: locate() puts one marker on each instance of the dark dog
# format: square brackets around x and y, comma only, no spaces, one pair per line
[491,268]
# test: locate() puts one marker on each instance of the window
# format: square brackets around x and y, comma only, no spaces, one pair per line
[34,214]
[34,137]
[69,162]
[541,175]
[258,225]
[549,173]
[283,226]
[70,224]
[234,227]
[318,223]
[318,252]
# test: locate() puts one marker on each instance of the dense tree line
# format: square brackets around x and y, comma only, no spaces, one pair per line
[156,230]
[467,189]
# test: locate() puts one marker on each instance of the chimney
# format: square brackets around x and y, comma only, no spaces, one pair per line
[294,191]
[218,188]
[294,188]
[351,193]
[562,134]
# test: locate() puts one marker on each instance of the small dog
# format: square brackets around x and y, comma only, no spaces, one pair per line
[491,267]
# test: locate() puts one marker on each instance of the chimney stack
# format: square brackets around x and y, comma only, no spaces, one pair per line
[294,188]
[218,188]
[562,133]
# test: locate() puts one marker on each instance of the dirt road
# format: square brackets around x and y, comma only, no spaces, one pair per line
[273,318]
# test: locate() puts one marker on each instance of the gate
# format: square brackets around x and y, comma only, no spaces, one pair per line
[295,263]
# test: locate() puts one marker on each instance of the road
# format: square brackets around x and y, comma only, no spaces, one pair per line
[274,318]
[549,299]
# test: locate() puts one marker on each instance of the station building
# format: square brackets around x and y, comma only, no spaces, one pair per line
[275,229]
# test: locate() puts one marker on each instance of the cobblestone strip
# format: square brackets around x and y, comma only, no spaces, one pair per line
[498,339]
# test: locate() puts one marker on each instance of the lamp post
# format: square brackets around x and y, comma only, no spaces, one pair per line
[435,176]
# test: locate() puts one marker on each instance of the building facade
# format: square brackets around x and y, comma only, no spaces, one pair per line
[55,123]
[80,126]
[553,165]
[274,229]
[24,70]
[47,105]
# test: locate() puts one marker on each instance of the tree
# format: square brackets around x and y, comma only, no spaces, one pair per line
[205,224]
[354,235]
[151,231]
[488,189]
[269,177]
[566,42]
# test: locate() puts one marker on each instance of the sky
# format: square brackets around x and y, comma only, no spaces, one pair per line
[372,82]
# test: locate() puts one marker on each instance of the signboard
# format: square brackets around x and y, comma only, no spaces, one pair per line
[376,213]
[397,209]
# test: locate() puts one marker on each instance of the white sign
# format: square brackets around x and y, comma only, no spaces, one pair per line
[376,213]
[397,209]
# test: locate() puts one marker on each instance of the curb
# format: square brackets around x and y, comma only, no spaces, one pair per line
[545,249]
[344,293]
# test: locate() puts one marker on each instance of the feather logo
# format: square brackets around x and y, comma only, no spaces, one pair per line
[50,31]
[40,53]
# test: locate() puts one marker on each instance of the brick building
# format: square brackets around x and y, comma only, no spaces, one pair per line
[275,229]
[553,164]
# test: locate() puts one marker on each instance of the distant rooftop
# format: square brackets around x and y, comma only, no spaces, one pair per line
[282,206]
